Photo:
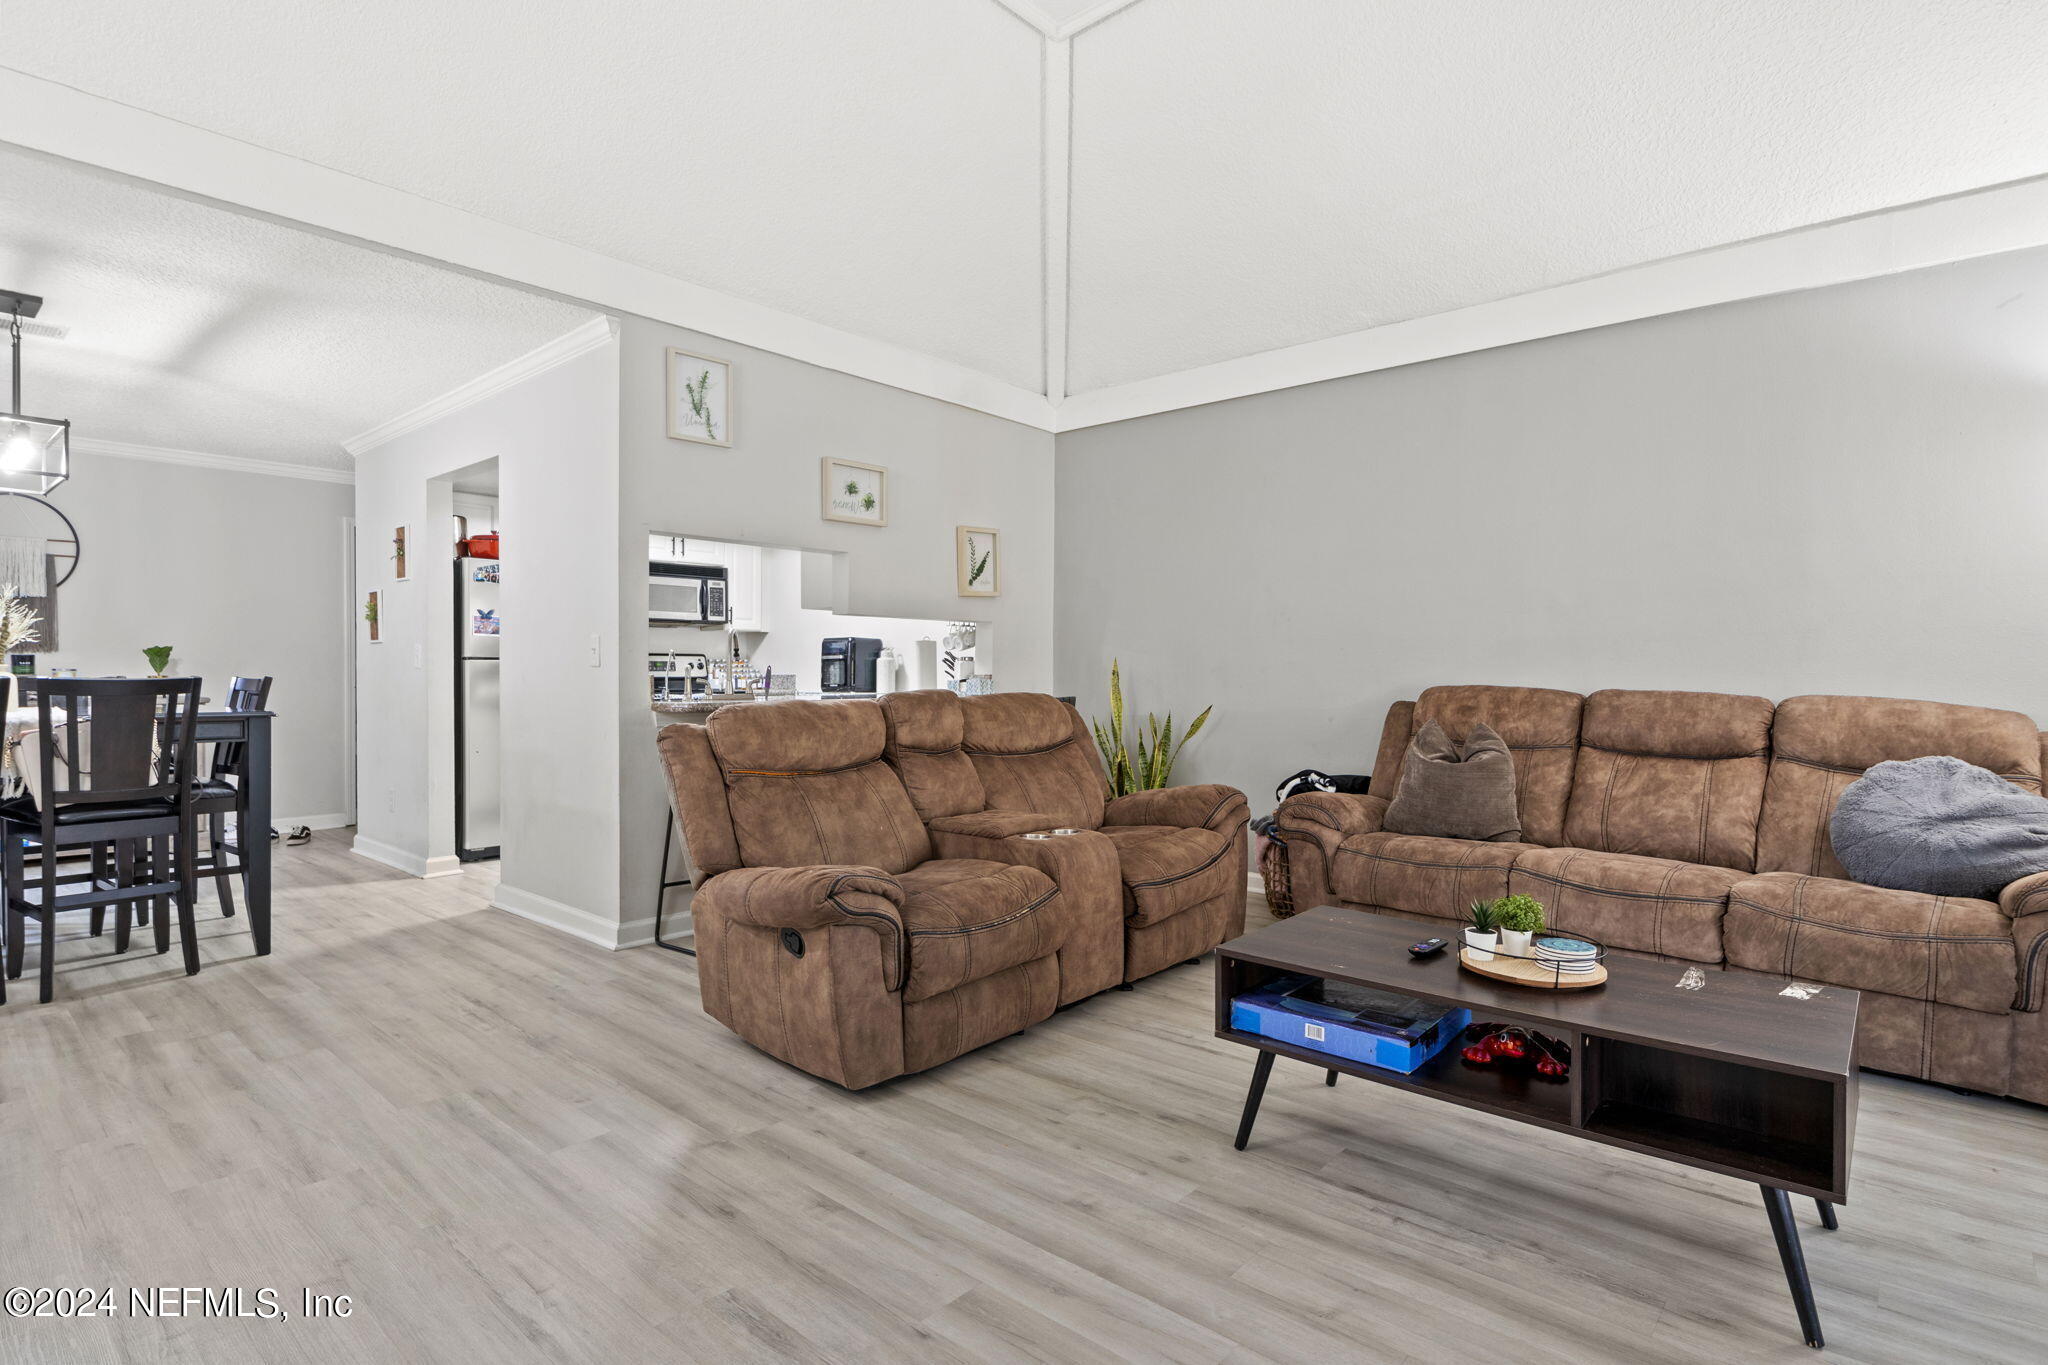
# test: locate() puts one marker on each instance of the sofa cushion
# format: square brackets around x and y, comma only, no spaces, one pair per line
[1166,868]
[1541,727]
[1423,876]
[925,732]
[1645,905]
[1819,745]
[1670,775]
[1945,949]
[1032,753]
[1457,790]
[967,919]
[796,736]
[805,784]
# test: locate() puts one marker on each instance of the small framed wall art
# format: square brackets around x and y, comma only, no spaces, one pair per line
[399,541]
[370,614]
[699,398]
[978,559]
[853,492]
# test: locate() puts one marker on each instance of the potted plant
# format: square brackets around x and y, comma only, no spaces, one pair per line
[1482,935]
[159,657]
[1520,919]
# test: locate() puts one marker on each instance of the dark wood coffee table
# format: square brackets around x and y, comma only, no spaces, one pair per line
[1734,1076]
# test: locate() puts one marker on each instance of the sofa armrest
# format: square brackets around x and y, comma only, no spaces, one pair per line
[1330,817]
[995,824]
[1207,806]
[2026,900]
[800,898]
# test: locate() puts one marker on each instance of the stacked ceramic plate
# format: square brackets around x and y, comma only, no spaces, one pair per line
[1571,956]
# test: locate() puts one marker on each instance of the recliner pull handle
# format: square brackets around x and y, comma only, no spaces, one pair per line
[793,942]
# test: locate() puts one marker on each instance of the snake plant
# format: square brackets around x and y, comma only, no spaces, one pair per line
[1157,746]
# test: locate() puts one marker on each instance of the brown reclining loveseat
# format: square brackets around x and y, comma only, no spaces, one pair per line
[1694,826]
[858,935]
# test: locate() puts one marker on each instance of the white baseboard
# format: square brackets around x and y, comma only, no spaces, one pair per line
[577,923]
[638,933]
[1256,883]
[412,864]
[336,820]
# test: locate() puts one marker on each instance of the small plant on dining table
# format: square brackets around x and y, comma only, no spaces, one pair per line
[159,657]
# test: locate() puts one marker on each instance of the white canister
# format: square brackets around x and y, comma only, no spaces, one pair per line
[887,668]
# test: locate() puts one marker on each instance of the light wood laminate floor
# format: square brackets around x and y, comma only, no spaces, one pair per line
[507,1146]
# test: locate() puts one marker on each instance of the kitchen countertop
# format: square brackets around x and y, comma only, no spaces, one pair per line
[698,706]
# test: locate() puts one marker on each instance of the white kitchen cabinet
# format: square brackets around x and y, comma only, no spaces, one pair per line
[743,586]
[742,572]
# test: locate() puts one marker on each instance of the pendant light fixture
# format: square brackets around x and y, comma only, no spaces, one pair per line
[35,452]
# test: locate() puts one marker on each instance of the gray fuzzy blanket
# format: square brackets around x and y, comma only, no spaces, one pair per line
[1939,825]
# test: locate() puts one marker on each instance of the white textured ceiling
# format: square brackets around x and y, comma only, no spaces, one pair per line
[1251,176]
[199,329]
[1243,176]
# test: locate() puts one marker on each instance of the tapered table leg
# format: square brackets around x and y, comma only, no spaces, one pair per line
[1331,1079]
[1827,1215]
[1260,1070]
[1779,1206]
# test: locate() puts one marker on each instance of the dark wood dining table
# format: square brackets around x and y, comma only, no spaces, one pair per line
[252,832]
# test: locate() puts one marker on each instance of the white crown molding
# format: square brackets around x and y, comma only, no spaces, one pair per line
[57,120]
[1961,227]
[564,348]
[1089,18]
[1030,14]
[238,464]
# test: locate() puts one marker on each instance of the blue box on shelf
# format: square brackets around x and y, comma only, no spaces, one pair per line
[1353,1023]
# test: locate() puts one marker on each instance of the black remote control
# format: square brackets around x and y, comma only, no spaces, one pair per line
[1426,947]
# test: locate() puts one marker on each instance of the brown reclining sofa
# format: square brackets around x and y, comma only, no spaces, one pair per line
[1693,826]
[868,904]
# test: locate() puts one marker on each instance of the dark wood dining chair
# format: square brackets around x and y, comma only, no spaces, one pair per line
[115,758]
[223,793]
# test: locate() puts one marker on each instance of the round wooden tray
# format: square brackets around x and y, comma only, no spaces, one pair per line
[1527,972]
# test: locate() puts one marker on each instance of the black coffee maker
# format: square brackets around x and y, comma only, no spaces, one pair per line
[846,663]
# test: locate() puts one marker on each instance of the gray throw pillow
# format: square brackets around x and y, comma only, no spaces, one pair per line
[1456,791]
[1941,826]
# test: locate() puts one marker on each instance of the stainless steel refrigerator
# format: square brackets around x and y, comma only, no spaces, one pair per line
[477,809]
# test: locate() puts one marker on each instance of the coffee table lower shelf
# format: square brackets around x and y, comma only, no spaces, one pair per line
[1720,1106]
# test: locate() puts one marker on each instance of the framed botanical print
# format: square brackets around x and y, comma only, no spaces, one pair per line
[400,539]
[699,398]
[853,492]
[978,560]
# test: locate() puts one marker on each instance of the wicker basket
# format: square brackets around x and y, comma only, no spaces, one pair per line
[1273,872]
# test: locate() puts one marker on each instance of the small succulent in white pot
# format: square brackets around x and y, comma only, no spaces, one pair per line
[1520,919]
[1482,935]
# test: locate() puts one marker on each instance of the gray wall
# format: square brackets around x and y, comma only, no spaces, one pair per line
[947,466]
[1837,491]
[555,438]
[241,573]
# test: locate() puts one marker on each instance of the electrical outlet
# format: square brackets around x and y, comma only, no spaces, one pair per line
[419,655]
[597,651]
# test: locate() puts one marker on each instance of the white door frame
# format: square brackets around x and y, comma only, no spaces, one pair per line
[348,667]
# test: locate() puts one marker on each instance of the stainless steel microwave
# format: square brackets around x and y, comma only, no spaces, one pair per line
[687,594]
